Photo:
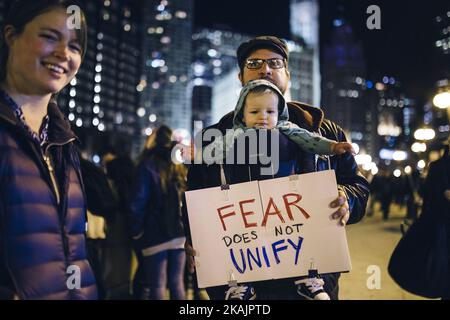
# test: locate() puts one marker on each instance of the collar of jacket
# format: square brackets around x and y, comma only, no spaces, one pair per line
[302,114]
[59,131]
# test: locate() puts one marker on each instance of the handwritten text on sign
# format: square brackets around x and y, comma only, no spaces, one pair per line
[266,230]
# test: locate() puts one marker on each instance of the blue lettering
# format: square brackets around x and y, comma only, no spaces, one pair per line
[266,258]
[296,247]
[276,249]
[244,267]
[257,261]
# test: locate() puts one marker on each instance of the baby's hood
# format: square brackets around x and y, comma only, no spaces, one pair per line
[283,114]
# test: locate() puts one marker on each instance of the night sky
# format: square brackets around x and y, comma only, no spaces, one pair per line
[403,48]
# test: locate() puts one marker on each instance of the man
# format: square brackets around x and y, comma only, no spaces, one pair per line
[266,57]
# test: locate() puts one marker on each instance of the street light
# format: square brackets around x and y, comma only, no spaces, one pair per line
[362,159]
[442,100]
[418,147]
[424,134]
[421,164]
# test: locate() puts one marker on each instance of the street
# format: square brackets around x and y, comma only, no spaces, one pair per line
[371,243]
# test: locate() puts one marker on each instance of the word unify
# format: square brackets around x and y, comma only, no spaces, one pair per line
[258,256]
[289,200]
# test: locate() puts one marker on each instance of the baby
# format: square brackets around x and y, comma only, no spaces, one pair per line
[261,105]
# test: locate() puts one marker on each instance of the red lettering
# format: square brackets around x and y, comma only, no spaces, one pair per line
[288,205]
[219,211]
[267,213]
[244,214]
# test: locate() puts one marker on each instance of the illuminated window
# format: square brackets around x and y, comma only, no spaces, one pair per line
[181,14]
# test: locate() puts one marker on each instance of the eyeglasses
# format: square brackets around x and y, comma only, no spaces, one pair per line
[274,63]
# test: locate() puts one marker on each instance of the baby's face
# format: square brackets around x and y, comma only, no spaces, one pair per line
[261,110]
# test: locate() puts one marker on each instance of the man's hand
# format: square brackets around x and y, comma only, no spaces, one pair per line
[447,194]
[342,147]
[342,213]
[190,253]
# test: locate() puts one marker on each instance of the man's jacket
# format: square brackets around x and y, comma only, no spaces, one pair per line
[349,179]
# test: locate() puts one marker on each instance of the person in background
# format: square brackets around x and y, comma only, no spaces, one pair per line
[156,217]
[120,172]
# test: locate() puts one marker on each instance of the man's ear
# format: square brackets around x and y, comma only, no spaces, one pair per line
[9,34]
[240,77]
[288,74]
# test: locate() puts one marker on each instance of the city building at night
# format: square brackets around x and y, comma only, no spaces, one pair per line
[438,116]
[396,119]
[304,25]
[214,67]
[303,77]
[101,101]
[166,52]
[442,26]
[344,96]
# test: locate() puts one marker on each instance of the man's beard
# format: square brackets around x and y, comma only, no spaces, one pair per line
[268,79]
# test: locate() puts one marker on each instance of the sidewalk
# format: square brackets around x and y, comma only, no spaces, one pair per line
[371,243]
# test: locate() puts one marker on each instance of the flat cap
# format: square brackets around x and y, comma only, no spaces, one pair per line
[262,42]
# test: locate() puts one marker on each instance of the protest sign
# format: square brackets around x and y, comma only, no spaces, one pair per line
[268,229]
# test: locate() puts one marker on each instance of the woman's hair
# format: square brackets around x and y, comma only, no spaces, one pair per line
[22,12]
[158,148]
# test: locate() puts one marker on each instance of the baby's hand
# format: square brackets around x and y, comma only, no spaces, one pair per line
[342,147]
[447,194]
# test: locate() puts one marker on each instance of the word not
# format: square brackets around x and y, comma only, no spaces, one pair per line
[237,238]
[289,200]
[288,229]
[253,256]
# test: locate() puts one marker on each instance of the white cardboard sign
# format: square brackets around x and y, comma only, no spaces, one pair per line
[268,229]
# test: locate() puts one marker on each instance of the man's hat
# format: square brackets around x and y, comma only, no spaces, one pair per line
[262,42]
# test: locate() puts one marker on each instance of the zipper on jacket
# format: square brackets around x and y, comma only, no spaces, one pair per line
[50,168]
[48,162]
[62,208]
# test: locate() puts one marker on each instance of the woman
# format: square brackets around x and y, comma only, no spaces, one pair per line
[156,219]
[42,207]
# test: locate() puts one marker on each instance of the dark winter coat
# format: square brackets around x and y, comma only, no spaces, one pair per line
[349,179]
[155,213]
[437,181]
[42,243]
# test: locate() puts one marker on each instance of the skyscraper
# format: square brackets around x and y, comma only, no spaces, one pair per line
[214,67]
[167,48]
[304,22]
[301,67]
[441,57]
[343,87]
